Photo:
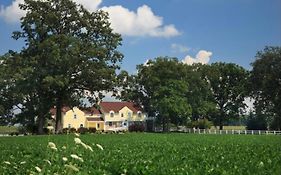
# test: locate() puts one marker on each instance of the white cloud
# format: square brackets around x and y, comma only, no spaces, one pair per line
[143,22]
[179,48]
[12,13]
[91,5]
[202,56]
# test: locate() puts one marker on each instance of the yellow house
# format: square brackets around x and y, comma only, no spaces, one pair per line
[121,114]
[110,116]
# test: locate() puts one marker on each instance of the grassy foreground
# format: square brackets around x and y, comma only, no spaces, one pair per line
[141,154]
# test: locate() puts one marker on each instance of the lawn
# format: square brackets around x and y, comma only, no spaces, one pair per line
[141,153]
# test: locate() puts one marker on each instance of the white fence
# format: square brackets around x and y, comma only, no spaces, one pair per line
[244,132]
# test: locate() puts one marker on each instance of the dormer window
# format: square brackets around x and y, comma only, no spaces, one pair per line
[139,113]
[122,115]
[111,113]
[74,116]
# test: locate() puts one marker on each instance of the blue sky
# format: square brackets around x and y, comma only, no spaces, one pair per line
[192,30]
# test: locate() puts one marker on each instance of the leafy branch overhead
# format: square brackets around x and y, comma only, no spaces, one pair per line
[70,53]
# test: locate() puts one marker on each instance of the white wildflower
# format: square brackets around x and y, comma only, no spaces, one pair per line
[51,144]
[76,134]
[84,145]
[24,162]
[54,148]
[90,148]
[64,159]
[77,141]
[72,167]
[38,169]
[64,147]
[7,162]
[48,162]
[76,157]
[99,146]
[261,164]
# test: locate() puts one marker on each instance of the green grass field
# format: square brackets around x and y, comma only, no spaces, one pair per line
[142,153]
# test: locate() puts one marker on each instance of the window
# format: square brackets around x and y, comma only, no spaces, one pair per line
[81,125]
[98,125]
[111,114]
[139,113]
[74,116]
[122,115]
[110,123]
[129,114]
[69,125]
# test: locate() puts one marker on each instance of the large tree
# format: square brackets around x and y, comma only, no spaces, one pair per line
[160,87]
[266,84]
[228,84]
[199,94]
[70,53]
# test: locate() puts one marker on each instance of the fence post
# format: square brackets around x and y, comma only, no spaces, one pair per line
[215,131]
[259,132]
[266,132]
[220,131]
[204,131]
[252,132]
[239,132]
[274,132]
[245,132]
[232,131]
[226,132]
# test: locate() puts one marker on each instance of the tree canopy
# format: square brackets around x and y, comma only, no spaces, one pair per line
[70,53]
[266,84]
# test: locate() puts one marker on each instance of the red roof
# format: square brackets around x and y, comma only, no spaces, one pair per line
[64,109]
[117,106]
[105,107]
[90,110]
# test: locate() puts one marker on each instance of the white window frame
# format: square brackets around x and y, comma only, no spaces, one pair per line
[111,114]
[139,113]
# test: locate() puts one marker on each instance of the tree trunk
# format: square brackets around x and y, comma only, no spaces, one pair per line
[163,124]
[41,123]
[221,118]
[58,116]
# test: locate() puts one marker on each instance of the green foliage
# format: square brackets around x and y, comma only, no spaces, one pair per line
[228,84]
[202,124]
[70,54]
[256,122]
[265,84]
[163,90]
[143,154]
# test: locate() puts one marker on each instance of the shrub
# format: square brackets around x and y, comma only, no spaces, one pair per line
[136,127]
[82,130]
[72,130]
[256,122]
[92,130]
[68,130]
[65,130]
[202,124]
[22,130]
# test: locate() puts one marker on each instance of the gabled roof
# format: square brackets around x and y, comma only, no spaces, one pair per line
[117,106]
[104,106]
[90,110]
[64,109]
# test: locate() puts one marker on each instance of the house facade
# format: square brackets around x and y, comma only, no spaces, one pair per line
[109,116]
